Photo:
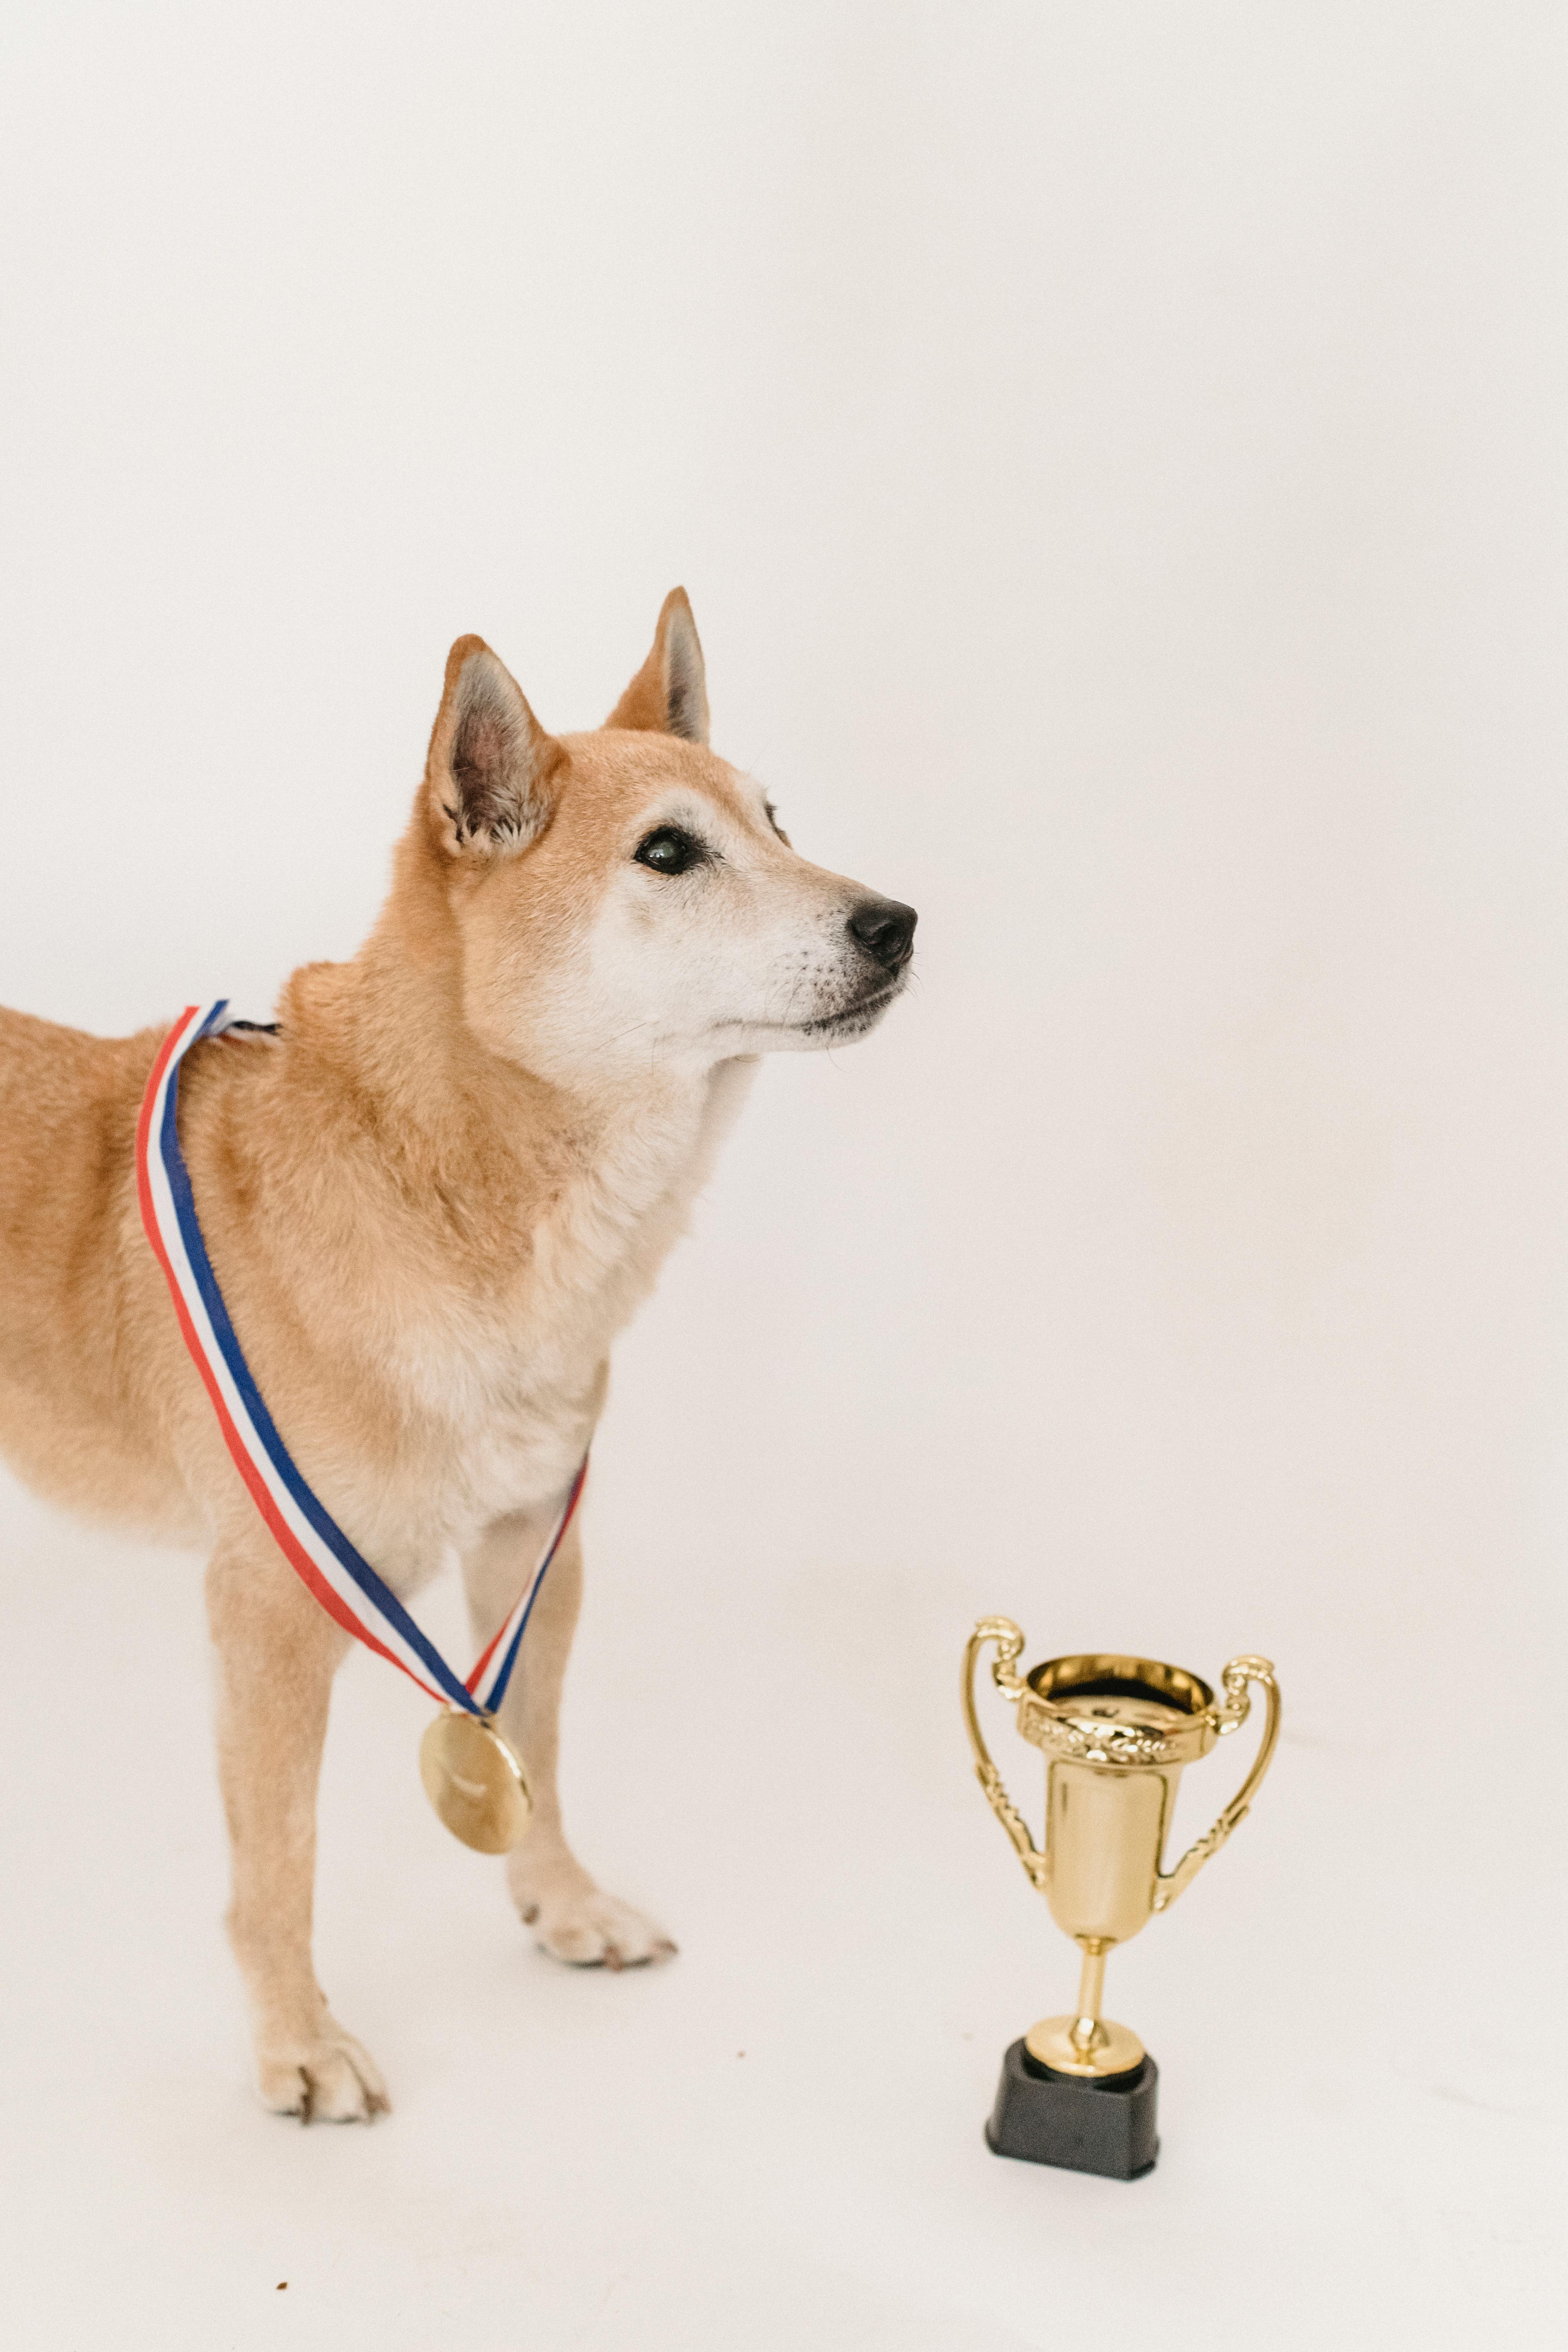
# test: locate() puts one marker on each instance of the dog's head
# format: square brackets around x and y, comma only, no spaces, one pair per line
[625,897]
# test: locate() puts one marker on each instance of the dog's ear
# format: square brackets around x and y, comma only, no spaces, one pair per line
[491,760]
[669,695]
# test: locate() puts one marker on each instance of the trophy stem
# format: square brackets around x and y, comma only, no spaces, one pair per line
[1090,1993]
[1087,2044]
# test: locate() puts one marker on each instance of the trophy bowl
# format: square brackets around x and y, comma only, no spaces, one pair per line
[1116,1732]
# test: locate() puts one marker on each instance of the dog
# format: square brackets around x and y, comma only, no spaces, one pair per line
[431,1200]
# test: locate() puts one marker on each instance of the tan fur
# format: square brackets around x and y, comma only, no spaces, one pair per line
[430,1205]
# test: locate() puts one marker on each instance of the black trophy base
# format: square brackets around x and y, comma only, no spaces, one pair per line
[1107,2127]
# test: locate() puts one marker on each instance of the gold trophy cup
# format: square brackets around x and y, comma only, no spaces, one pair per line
[1116,1732]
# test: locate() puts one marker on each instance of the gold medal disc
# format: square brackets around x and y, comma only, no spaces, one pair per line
[475,1781]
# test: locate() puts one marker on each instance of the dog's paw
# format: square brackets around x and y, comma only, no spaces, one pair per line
[324,2077]
[576,1921]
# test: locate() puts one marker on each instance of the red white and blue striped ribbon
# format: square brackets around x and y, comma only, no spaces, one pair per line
[311,1539]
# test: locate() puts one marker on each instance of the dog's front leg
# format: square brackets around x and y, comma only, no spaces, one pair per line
[277,1654]
[570,1915]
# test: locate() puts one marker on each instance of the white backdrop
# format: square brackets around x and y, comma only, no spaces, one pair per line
[1116,456]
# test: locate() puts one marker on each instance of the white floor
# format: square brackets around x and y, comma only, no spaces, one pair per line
[775,2141]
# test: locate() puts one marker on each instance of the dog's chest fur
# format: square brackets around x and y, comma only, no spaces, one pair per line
[497,1387]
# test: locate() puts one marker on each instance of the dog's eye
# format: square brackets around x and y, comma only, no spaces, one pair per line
[772,816]
[668,850]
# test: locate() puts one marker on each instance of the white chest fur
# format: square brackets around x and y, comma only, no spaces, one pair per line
[501,1388]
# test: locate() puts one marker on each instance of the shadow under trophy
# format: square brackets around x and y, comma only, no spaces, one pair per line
[1116,1731]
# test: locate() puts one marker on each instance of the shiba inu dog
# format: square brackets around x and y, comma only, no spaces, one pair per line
[430,1200]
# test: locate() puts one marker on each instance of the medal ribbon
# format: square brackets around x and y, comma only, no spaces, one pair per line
[310,1538]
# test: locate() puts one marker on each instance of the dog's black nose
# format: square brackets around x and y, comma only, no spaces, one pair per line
[886,930]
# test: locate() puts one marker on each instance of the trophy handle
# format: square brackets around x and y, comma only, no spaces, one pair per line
[1230,1716]
[1009,1643]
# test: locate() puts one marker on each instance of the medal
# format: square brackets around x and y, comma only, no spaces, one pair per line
[471,1773]
[474,1780]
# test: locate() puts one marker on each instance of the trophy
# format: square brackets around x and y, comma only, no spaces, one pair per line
[1080,2090]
